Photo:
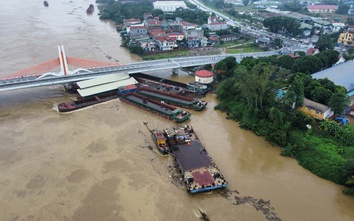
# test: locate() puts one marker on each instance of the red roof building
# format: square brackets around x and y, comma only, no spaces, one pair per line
[204,77]
[322,8]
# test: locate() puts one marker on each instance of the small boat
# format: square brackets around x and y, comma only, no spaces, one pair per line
[90,9]
[45,3]
[160,141]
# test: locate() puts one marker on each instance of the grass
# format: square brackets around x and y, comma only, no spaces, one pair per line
[244,49]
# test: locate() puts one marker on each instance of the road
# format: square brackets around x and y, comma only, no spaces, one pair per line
[289,44]
[136,67]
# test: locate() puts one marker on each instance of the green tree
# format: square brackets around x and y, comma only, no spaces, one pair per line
[324,43]
[285,61]
[338,101]
[307,64]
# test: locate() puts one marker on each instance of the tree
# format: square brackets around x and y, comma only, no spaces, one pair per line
[245,2]
[328,57]
[286,25]
[324,43]
[285,61]
[338,101]
[307,64]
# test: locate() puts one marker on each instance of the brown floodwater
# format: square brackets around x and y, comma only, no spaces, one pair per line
[99,163]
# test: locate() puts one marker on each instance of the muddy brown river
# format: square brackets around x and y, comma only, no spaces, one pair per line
[100,163]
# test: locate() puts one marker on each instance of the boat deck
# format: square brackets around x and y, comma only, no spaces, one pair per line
[192,156]
[164,97]
[200,173]
[153,105]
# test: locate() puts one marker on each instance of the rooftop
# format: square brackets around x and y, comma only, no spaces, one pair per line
[342,75]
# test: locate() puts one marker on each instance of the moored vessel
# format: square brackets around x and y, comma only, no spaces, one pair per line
[199,172]
[90,9]
[172,98]
[160,141]
[88,101]
[156,107]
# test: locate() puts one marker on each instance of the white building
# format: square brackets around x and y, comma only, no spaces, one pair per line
[169,6]
[204,77]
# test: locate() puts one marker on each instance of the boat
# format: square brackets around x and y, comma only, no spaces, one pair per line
[167,85]
[160,141]
[199,172]
[45,3]
[172,98]
[90,9]
[157,107]
[87,101]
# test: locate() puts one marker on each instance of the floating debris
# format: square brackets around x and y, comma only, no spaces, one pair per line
[259,205]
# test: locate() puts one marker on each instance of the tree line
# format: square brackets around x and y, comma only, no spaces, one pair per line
[248,93]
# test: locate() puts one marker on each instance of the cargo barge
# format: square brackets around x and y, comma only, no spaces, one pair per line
[162,84]
[87,101]
[157,107]
[198,170]
[174,99]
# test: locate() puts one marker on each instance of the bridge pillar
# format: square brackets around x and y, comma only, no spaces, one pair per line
[175,71]
[71,88]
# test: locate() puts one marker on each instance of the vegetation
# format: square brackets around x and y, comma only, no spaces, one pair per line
[282,24]
[248,93]
[116,11]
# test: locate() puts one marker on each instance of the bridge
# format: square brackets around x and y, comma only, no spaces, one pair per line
[22,80]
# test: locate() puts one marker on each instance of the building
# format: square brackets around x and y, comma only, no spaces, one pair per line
[346,38]
[312,51]
[204,77]
[322,8]
[337,26]
[316,110]
[217,26]
[137,30]
[169,6]
[132,21]
[342,75]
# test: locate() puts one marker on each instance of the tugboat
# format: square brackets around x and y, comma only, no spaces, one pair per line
[45,3]
[90,9]
[160,141]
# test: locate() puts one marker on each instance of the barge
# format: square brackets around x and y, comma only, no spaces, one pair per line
[157,107]
[199,172]
[174,99]
[87,101]
[167,85]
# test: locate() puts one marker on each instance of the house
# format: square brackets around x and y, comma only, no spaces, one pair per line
[316,110]
[204,42]
[165,43]
[136,30]
[312,51]
[132,21]
[337,26]
[169,6]
[217,26]
[322,8]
